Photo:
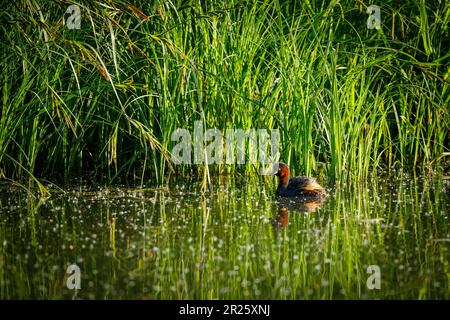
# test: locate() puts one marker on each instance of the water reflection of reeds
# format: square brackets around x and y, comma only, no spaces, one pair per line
[236,241]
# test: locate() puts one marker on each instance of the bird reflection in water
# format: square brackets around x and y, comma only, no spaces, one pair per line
[285,205]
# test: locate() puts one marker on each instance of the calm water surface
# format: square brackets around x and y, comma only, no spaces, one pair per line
[235,241]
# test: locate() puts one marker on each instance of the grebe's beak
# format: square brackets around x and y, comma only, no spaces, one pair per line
[276,168]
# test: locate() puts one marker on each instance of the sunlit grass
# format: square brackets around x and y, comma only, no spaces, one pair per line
[104,100]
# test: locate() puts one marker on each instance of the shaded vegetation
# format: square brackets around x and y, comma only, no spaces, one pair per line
[103,100]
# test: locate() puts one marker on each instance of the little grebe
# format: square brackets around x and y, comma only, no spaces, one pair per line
[297,186]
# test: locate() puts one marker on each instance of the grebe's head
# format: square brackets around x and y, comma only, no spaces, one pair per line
[283,170]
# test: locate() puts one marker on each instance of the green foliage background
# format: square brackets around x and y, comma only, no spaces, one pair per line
[103,100]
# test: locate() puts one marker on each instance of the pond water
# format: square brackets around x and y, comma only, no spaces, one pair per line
[386,239]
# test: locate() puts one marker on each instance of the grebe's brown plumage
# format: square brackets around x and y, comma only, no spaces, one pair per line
[296,186]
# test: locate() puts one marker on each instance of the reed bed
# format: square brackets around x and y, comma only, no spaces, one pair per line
[102,101]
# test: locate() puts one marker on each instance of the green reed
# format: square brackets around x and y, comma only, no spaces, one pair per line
[103,100]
